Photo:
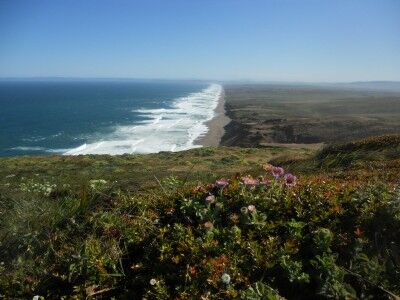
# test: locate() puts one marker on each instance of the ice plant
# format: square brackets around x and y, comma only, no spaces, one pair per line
[221,183]
[290,179]
[225,278]
[277,171]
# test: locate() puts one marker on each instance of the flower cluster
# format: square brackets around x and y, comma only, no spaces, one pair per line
[97,183]
[277,173]
[36,187]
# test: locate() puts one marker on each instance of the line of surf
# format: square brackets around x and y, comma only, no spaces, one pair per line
[168,129]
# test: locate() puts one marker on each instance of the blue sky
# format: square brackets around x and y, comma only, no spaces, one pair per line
[283,40]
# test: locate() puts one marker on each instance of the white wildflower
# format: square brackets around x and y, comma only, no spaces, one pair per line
[97,183]
[226,278]
[251,208]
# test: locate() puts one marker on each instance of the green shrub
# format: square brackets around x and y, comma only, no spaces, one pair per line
[251,239]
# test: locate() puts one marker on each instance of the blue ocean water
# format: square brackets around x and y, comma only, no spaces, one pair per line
[103,116]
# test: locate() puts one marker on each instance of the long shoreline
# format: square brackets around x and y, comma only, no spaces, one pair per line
[215,125]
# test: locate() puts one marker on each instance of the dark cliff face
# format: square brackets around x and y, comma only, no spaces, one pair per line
[237,134]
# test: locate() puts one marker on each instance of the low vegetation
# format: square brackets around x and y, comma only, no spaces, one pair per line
[308,114]
[138,227]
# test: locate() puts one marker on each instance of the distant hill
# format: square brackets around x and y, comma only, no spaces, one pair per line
[390,86]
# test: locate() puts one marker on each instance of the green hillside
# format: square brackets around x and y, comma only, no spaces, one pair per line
[165,226]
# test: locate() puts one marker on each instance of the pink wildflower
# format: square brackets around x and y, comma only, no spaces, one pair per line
[210,186]
[267,167]
[290,179]
[208,225]
[199,189]
[210,199]
[221,183]
[277,172]
[249,181]
[251,208]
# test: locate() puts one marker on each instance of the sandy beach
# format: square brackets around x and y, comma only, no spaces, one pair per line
[215,126]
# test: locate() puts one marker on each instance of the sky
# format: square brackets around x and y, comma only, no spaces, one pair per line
[263,40]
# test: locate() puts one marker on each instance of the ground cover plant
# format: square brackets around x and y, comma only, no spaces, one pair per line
[261,234]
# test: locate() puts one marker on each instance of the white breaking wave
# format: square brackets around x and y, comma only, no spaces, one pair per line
[169,129]
[23,148]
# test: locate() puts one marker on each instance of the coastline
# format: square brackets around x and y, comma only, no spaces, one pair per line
[215,125]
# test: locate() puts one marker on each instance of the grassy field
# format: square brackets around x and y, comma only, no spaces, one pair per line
[134,173]
[264,114]
[161,227]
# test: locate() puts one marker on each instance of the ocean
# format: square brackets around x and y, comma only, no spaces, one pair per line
[75,117]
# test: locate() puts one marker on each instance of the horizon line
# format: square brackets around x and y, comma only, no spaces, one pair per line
[191,79]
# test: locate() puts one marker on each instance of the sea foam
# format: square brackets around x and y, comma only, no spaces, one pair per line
[168,129]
